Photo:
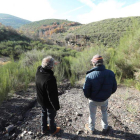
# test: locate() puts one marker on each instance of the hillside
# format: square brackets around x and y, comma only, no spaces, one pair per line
[11,41]
[16,76]
[37,24]
[9,34]
[13,21]
[106,32]
[49,28]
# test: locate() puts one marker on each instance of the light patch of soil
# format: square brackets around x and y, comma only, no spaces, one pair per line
[4,60]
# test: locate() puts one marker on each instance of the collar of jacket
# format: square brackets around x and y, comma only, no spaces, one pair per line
[45,70]
[97,68]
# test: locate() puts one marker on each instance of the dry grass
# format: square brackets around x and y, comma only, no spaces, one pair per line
[4,63]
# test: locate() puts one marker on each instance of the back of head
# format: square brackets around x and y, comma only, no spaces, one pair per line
[97,60]
[48,62]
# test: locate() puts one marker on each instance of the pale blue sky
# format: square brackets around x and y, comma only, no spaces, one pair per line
[83,11]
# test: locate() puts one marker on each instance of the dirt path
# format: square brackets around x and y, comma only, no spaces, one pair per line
[72,117]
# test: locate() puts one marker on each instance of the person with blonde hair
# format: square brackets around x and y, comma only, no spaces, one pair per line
[47,95]
[99,85]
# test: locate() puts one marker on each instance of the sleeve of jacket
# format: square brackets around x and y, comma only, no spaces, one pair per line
[114,85]
[87,87]
[53,93]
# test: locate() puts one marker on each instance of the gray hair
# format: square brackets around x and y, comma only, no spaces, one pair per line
[97,60]
[48,62]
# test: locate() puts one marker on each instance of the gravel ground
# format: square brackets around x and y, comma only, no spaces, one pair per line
[125,105]
[72,117]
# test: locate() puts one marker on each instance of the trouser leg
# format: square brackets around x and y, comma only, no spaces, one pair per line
[51,119]
[44,119]
[104,120]
[92,115]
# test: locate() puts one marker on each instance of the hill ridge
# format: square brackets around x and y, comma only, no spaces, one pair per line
[13,21]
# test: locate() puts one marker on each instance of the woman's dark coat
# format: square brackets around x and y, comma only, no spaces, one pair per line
[46,86]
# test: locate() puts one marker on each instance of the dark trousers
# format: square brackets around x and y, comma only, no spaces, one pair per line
[48,117]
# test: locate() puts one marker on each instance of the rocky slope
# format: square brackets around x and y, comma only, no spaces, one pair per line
[22,114]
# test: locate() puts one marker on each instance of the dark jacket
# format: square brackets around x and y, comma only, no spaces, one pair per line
[46,86]
[100,84]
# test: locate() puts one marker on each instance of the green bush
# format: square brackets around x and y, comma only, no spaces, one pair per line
[12,77]
[17,75]
[125,59]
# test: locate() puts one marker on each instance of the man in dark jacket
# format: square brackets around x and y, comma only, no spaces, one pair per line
[47,95]
[100,83]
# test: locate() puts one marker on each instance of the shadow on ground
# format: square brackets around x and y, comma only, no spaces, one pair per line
[113,134]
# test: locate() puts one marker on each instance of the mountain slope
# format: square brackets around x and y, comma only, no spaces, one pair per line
[38,24]
[47,28]
[106,32]
[12,42]
[10,34]
[13,21]
[109,31]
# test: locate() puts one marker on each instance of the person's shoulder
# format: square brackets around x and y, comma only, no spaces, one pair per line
[38,67]
[90,71]
[91,74]
[110,72]
[51,77]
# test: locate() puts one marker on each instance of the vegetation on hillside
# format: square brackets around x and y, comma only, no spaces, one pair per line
[106,32]
[12,42]
[122,59]
[14,22]
[45,28]
[125,58]
[37,24]
[17,75]
[9,34]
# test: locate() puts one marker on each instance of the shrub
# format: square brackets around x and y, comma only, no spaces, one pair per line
[12,77]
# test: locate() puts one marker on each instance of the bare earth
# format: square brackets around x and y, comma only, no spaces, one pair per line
[23,112]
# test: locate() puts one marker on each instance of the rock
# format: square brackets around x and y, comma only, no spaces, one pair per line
[67,91]
[19,122]
[23,133]
[67,119]
[38,133]
[30,133]
[68,124]
[6,136]
[86,131]
[20,118]
[78,114]
[79,132]
[13,136]
[33,137]
[9,128]
[18,96]
[70,120]
[75,118]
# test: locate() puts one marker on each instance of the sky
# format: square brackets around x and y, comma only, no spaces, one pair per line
[83,11]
